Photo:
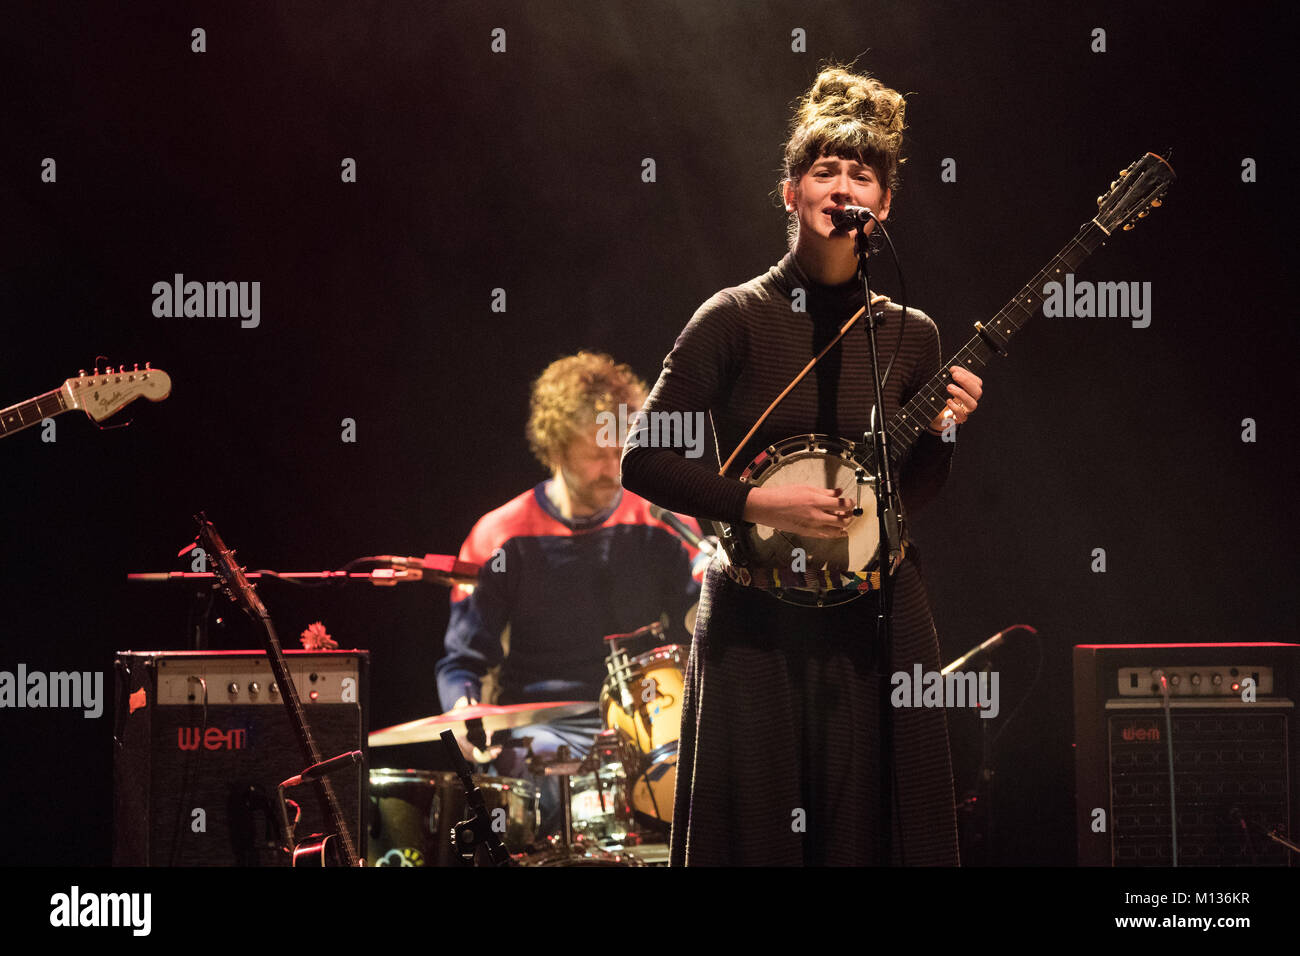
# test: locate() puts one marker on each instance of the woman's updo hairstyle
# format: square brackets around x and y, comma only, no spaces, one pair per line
[849,115]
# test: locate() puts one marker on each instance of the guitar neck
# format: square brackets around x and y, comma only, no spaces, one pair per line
[26,414]
[289,694]
[914,418]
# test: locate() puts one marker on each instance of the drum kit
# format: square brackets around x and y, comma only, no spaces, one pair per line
[617,799]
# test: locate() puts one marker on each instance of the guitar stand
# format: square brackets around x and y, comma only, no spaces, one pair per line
[316,850]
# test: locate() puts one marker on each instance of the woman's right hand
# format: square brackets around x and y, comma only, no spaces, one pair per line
[801,509]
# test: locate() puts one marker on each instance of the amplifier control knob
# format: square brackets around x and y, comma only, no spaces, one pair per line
[1216,680]
[1175,680]
[233,688]
[1196,680]
[254,687]
[275,689]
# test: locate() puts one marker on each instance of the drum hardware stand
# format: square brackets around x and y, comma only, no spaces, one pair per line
[564,767]
[619,666]
[476,833]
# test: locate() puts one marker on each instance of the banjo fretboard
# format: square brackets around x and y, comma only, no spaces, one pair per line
[915,417]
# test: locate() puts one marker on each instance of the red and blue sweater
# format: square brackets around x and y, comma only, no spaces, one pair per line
[558,587]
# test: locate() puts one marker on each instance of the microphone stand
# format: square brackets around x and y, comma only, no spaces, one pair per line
[887,512]
[475,840]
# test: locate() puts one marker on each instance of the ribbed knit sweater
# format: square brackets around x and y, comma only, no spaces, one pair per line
[742,347]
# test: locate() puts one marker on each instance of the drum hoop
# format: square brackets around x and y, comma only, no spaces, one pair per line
[409,775]
[802,445]
[668,652]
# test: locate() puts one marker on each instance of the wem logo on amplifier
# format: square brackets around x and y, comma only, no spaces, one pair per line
[1140,731]
[187,738]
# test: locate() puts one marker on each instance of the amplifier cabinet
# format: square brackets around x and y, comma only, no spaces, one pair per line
[1234,757]
[202,739]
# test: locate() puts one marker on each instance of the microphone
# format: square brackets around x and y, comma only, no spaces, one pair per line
[683,530]
[983,648]
[851,216]
[988,645]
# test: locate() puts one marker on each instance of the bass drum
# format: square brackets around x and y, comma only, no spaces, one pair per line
[412,813]
[643,704]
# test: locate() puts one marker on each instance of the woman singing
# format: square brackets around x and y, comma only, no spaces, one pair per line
[782,731]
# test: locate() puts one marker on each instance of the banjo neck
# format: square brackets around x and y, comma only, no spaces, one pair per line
[912,419]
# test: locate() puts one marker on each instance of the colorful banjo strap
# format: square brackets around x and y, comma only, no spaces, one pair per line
[780,579]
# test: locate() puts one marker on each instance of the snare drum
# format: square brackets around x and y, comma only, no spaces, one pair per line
[642,701]
[412,813]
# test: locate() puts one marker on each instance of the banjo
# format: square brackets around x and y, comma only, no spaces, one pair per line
[823,572]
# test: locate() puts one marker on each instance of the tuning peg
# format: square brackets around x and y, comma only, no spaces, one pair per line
[1155,202]
[1142,214]
[1100,200]
[137,367]
[1128,226]
[1113,182]
[81,373]
[1123,173]
[146,366]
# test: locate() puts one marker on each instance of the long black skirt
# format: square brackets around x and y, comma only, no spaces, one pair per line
[780,750]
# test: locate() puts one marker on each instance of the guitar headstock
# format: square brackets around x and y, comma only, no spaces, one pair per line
[234,583]
[102,394]
[1132,196]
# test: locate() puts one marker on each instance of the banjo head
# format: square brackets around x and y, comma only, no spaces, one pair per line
[821,461]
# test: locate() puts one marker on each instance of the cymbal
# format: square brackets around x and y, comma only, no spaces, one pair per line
[494,718]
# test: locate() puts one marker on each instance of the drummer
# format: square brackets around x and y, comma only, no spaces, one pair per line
[572,559]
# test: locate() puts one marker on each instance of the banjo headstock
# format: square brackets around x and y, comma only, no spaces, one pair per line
[1138,189]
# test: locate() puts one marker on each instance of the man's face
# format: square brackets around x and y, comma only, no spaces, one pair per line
[590,472]
[831,182]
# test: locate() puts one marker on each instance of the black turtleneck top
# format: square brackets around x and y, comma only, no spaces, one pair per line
[747,343]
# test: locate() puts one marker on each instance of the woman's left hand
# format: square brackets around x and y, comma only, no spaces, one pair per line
[964,394]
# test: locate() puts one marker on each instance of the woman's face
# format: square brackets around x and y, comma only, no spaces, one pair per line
[830,182]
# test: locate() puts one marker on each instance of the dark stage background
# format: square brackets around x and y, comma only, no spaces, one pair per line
[521,170]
